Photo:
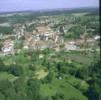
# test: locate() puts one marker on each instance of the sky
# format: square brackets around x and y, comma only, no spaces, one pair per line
[20,5]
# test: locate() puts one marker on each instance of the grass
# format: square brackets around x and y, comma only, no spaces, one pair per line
[80,58]
[75,56]
[80,14]
[81,84]
[62,87]
[41,74]
[6,76]
[65,86]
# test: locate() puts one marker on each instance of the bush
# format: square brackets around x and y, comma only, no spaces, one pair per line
[16,70]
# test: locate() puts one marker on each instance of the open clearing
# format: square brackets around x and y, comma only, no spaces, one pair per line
[41,74]
[6,76]
[63,87]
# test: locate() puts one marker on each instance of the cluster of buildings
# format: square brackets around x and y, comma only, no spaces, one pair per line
[42,37]
[8,47]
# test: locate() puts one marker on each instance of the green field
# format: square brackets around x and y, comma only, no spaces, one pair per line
[63,87]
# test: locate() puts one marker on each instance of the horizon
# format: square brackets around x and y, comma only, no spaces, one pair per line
[30,5]
[49,10]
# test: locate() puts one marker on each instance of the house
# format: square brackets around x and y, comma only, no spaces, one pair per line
[90,42]
[57,49]
[8,47]
[97,37]
[19,31]
[41,56]
[80,42]
[43,29]
[42,45]
[70,46]
[25,47]
[44,33]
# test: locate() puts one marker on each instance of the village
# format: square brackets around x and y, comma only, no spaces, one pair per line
[41,38]
[50,55]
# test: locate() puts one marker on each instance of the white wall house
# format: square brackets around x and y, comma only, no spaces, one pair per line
[97,37]
[70,47]
[8,47]
[26,47]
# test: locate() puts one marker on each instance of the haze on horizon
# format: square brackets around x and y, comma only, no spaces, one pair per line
[22,5]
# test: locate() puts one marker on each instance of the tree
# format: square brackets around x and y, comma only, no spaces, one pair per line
[33,89]
[2,96]
[76,31]
[2,66]
[18,44]
[20,85]
[49,77]
[1,45]
[61,29]
[58,96]
[16,70]
[94,91]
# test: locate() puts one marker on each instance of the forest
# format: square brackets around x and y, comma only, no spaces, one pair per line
[48,75]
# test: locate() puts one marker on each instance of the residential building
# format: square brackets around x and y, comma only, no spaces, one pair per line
[8,47]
